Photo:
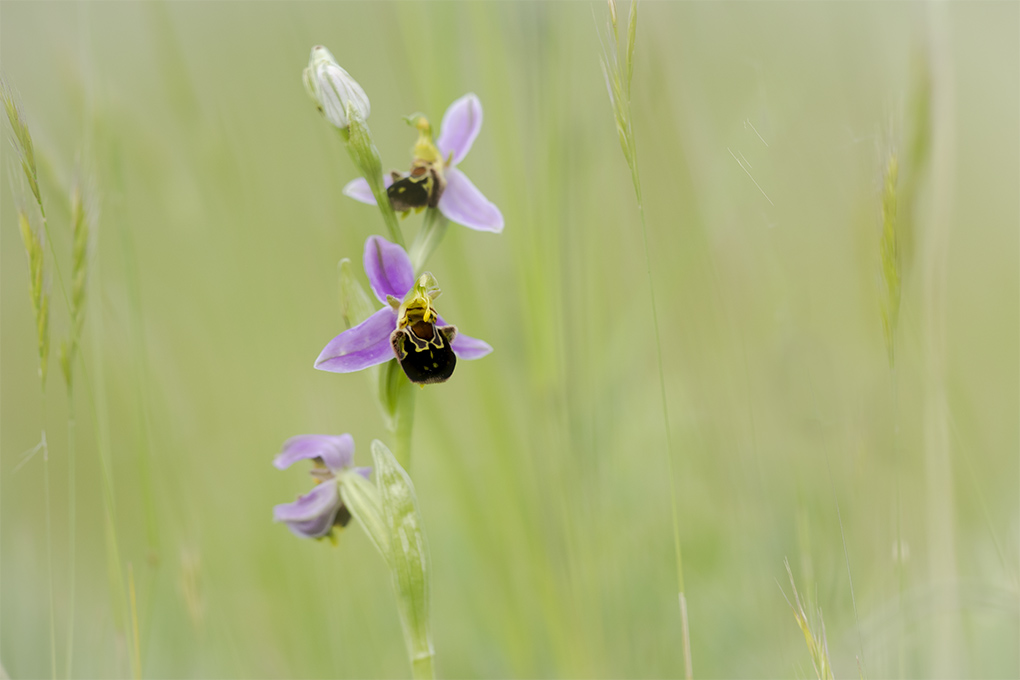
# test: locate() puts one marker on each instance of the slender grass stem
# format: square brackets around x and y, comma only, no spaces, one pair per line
[846,557]
[71,524]
[144,448]
[49,541]
[938,455]
[618,83]
[678,554]
[901,582]
[100,422]
[136,645]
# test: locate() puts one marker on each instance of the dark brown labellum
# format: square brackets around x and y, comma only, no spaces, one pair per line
[419,188]
[343,517]
[425,351]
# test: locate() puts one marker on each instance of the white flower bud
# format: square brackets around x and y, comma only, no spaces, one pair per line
[338,96]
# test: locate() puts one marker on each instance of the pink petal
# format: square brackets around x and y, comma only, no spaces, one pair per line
[311,515]
[388,268]
[359,190]
[367,344]
[461,124]
[466,347]
[319,500]
[464,204]
[336,451]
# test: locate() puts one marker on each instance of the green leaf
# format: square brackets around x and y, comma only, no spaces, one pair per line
[409,556]
[362,498]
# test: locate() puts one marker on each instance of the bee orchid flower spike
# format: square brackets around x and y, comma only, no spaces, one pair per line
[434,180]
[407,327]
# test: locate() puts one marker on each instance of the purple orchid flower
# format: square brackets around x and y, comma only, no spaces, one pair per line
[460,201]
[375,340]
[316,513]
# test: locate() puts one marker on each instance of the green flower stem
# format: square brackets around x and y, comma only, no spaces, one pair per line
[422,666]
[358,139]
[403,418]
[49,541]
[409,590]
[71,527]
[431,234]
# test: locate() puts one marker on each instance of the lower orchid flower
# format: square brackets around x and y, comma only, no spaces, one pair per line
[434,180]
[407,328]
[315,514]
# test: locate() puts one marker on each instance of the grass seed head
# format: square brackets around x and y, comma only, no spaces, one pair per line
[33,241]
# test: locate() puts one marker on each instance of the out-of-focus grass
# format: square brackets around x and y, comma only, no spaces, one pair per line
[538,468]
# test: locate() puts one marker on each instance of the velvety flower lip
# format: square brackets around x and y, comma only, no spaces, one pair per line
[390,274]
[461,201]
[314,514]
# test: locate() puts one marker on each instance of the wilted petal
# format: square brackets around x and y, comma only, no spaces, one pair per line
[464,204]
[359,190]
[461,123]
[336,451]
[367,344]
[388,268]
[311,515]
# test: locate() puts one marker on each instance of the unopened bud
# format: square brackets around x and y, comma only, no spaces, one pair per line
[338,96]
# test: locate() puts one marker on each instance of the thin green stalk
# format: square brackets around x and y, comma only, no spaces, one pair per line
[901,581]
[365,156]
[68,350]
[144,448]
[685,626]
[403,420]
[136,662]
[618,82]
[421,666]
[846,557]
[49,541]
[431,234]
[100,420]
[71,524]
[938,456]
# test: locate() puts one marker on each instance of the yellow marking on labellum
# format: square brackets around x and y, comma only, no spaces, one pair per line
[417,305]
[423,349]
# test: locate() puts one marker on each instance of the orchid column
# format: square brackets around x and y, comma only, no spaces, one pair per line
[405,342]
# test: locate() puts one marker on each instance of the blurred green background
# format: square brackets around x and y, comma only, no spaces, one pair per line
[541,469]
